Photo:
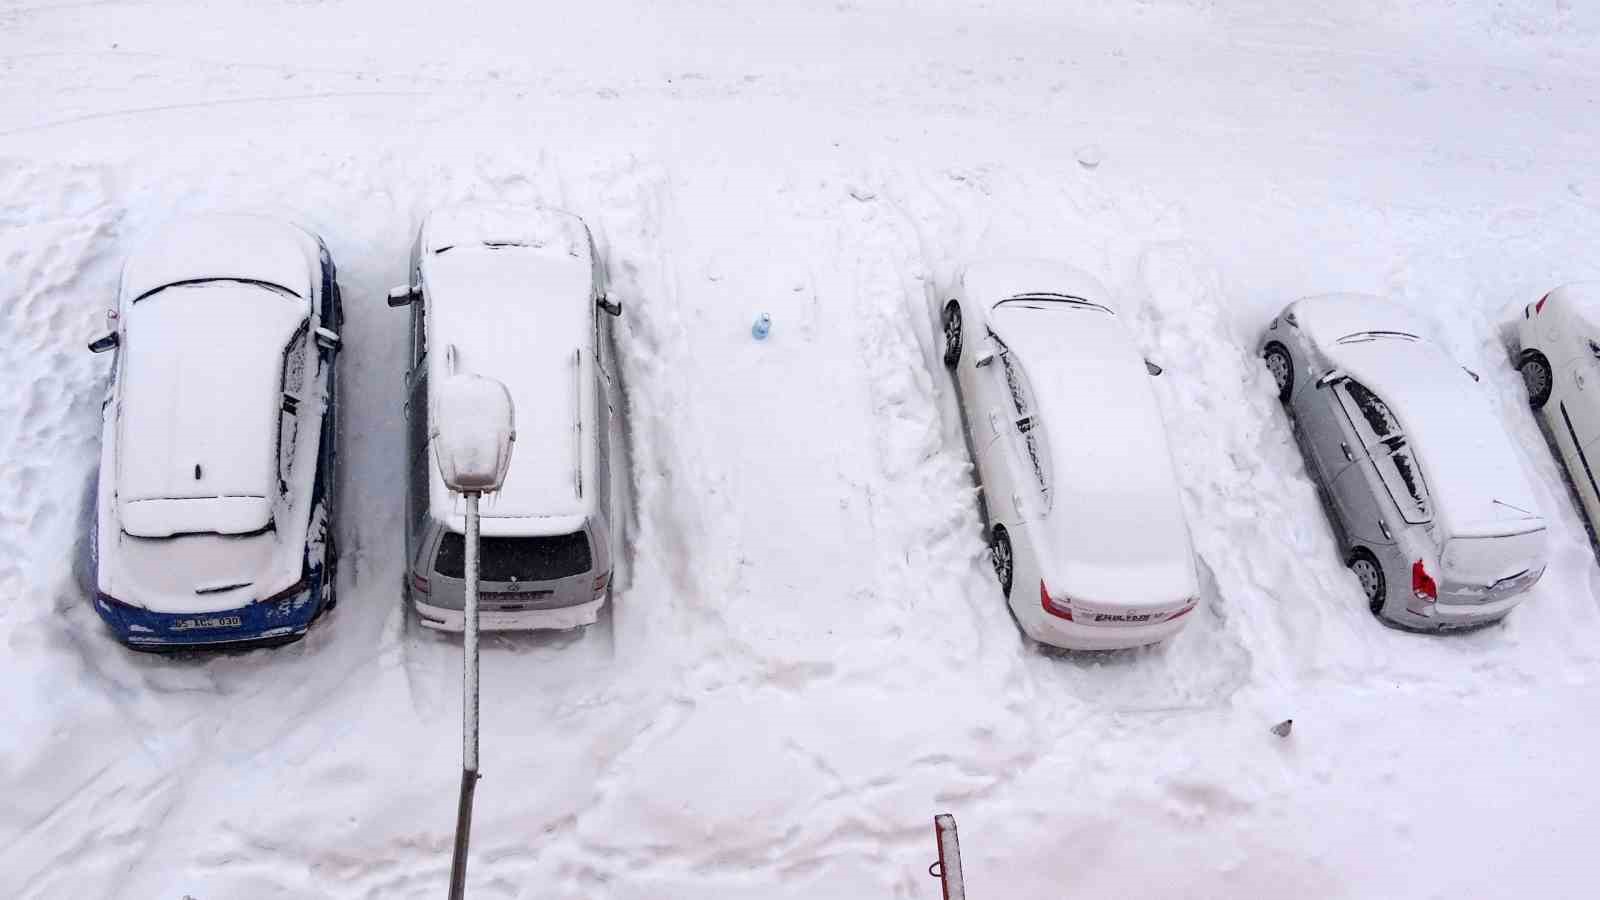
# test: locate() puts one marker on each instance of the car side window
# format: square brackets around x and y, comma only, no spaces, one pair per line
[1386,446]
[1028,426]
[419,333]
[292,388]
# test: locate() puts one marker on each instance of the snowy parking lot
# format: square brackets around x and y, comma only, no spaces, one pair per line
[809,656]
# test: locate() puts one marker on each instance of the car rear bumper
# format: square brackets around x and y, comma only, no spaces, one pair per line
[1068,635]
[560,618]
[1458,615]
[277,622]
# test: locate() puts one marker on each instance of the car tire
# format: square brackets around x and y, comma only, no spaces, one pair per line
[952,333]
[1536,377]
[1001,558]
[1369,572]
[1281,365]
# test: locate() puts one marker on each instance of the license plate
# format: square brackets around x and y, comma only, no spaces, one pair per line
[196,622]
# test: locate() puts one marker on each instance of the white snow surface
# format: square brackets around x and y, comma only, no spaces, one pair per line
[809,658]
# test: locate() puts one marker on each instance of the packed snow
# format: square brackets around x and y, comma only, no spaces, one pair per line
[810,657]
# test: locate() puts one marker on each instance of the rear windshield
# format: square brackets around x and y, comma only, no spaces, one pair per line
[517,558]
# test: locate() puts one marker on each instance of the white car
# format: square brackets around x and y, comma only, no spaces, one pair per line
[1559,356]
[516,294]
[214,508]
[1086,527]
[1432,507]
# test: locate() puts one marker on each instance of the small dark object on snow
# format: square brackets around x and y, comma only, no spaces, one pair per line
[1282,728]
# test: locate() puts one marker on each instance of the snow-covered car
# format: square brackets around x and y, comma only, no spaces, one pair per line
[1086,526]
[214,506]
[515,294]
[1428,498]
[1559,355]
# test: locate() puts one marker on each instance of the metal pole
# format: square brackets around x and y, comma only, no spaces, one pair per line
[469,703]
[949,864]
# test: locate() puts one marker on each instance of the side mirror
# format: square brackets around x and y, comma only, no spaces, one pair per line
[327,339]
[404,295]
[984,358]
[104,342]
[1152,368]
[1329,378]
[612,307]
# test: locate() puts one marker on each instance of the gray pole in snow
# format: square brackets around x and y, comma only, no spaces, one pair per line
[469,703]
[949,864]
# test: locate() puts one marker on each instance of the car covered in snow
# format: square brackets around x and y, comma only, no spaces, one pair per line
[516,294]
[1430,502]
[214,507]
[1086,526]
[1559,355]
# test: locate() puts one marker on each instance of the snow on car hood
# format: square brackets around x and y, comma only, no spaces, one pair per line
[197,426]
[251,248]
[1116,529]
[1477,484]
[992,281]
[534,227]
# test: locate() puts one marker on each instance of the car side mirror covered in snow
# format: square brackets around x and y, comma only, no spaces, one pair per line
[404,295]
[612,307]
[1152,368]
[104,342]
[327,339]
[984,358]
[1329,378]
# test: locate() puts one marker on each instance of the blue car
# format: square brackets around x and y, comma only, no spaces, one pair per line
[214,507]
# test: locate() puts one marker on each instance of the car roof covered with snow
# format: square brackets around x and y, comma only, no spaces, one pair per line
[511,297]
[1115,519]
[223,245]
[1477,483]
[202,370]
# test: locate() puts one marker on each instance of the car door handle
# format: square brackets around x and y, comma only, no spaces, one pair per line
[1347,454]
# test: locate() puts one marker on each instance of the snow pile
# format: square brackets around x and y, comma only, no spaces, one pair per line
[811,657]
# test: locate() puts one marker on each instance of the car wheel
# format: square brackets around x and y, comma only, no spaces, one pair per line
[1536,378]
[1281,367]
[1370,574]
[1000,556]
[952,333]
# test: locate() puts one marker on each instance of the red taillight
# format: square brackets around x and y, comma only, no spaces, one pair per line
[1422,585]
[420,584]
[1185,611]
[601,581]
[1060,610]
[1539,307]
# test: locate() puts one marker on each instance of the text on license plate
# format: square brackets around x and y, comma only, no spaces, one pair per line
[206,622]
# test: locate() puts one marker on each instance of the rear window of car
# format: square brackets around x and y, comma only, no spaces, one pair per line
[517,558]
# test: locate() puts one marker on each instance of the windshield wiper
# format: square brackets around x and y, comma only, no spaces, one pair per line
[269,285]
[1364,336]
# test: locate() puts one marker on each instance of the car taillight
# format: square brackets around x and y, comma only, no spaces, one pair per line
[299,587]
[1422,584]
[601,581]
[1059,609]
[1193,602]
[1539,307]
[420,584]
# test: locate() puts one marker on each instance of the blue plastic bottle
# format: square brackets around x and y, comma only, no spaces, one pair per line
[763,325]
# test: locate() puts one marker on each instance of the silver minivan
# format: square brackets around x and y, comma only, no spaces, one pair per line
[1430,501]
[516,294]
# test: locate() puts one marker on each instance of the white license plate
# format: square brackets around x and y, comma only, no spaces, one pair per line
[207,622]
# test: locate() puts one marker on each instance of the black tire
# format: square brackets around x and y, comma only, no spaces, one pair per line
[1536,377]
[952,333]
[1369,572]
[1281,365]
[1001,558]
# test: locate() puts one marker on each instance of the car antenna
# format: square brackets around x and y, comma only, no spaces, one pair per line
[1517,508]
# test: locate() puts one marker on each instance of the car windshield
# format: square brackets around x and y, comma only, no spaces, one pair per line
[1048,300]
[529,559]
[1361,337]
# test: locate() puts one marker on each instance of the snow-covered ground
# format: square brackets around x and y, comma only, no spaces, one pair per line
[811,657]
